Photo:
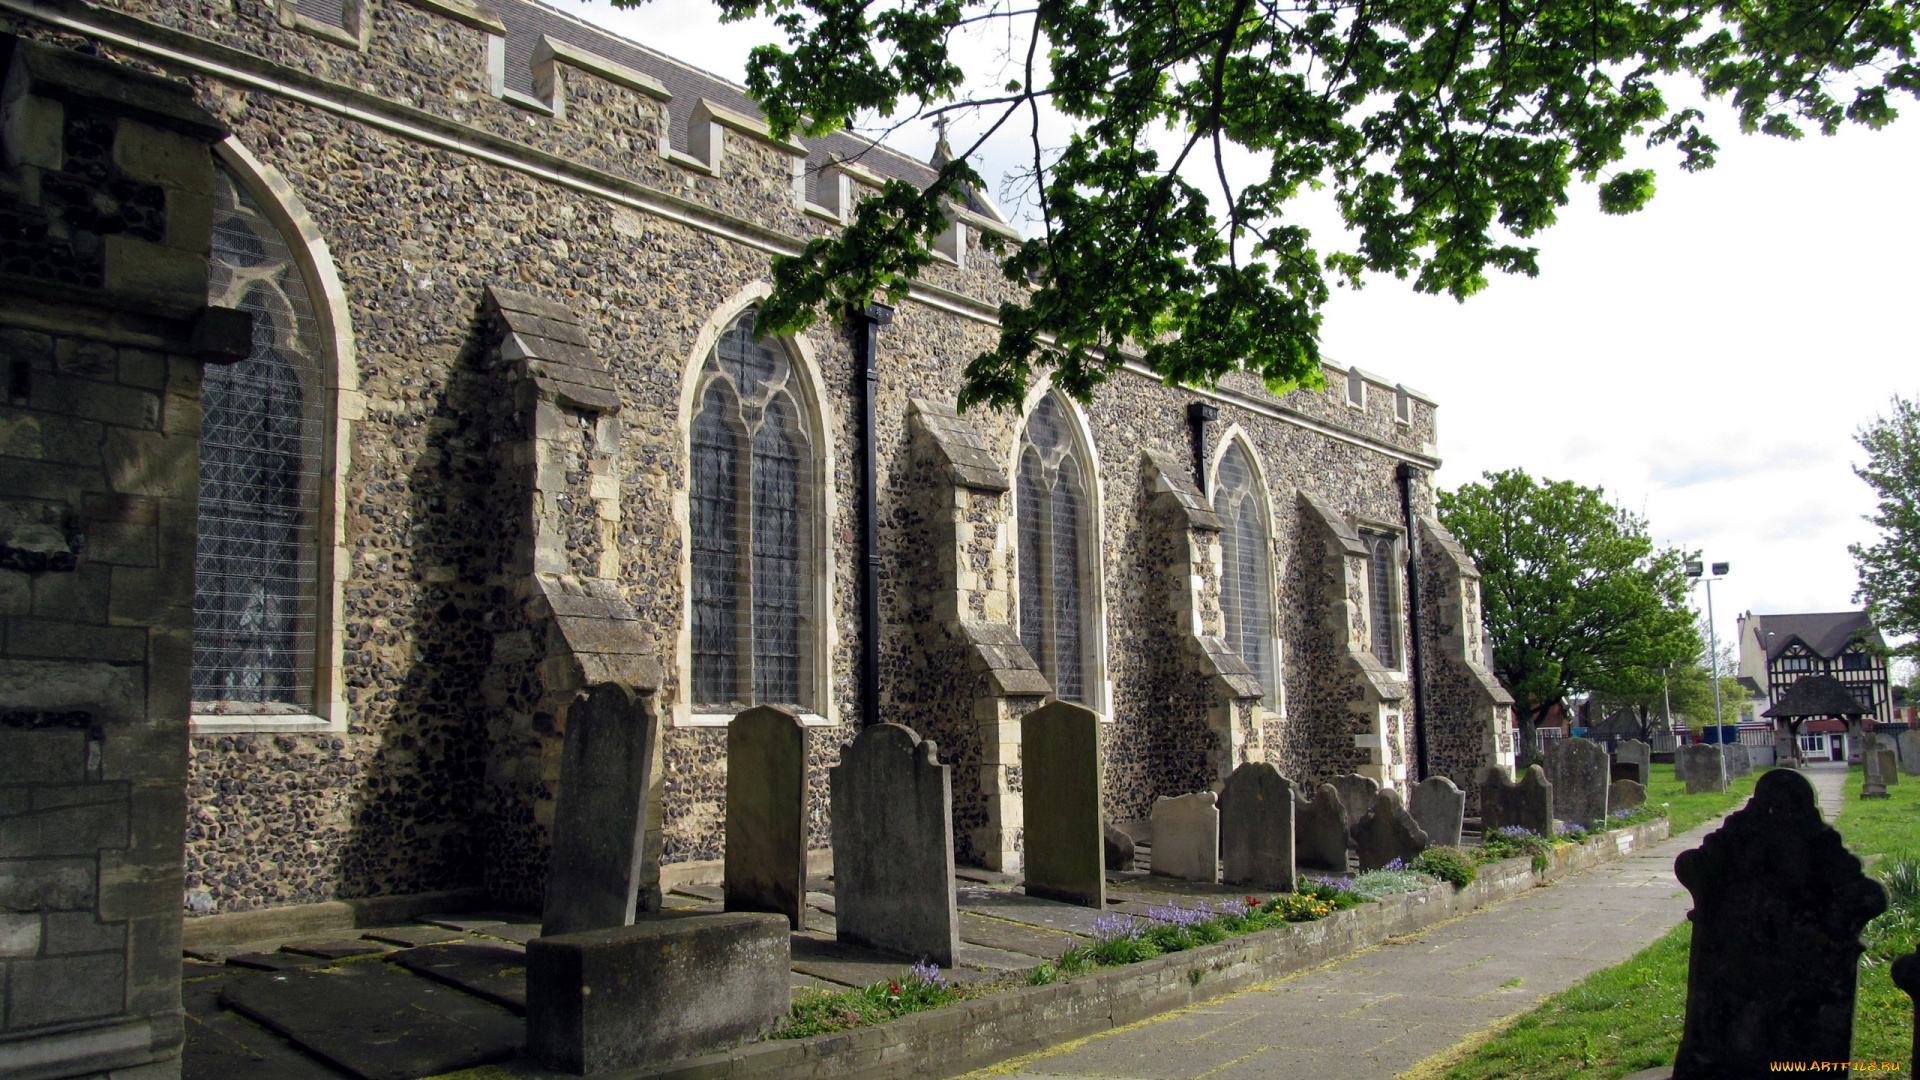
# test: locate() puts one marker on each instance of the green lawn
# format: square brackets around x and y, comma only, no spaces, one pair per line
[1627,1018]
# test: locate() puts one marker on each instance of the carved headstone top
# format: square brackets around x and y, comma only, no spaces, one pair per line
[1703,766]
[1636,753]
[1625,795]
[1388,834]
[1580,772]
[1778,903]
[606,763]
[1186,837]
[1320,830]
[1356,794]
[1257,828]
[1506,803]
[893,845]
[1439,807]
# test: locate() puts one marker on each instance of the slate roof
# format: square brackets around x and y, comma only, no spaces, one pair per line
[1826,633]
[526,21]
[1817,695]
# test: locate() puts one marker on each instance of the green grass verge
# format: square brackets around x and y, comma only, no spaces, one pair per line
[1626,1018]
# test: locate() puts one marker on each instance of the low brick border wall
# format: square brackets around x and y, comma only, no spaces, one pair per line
[985,1031]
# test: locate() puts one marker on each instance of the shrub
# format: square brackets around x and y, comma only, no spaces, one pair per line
[1510,841]
[1390,880]
[1448,864]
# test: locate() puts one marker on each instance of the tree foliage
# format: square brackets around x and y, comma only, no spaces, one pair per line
[1890,568]
[1576,596]
[1447,132]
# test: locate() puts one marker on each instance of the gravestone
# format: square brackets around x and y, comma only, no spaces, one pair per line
[1906,976]
[893,846]
[600,816]
[1388,833]
[1578,769]
[1739,762]
[1889,766]
[1060,783]
[1439,807]
[1875,767]
[1633,752]
[1786,748]
[1186,837]
[1320,830]
[1680,762]
[1625,795]
[766,854]
[1257,828]
[1356,794]
[1119,848]
[1705,767]
[1506,803]
[1910,752]
[1778,904]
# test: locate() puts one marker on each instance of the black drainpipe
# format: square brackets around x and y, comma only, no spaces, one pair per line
[1416,652]
[866,357]
[1199,415]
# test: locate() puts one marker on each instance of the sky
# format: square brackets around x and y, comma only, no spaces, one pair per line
[1706,361]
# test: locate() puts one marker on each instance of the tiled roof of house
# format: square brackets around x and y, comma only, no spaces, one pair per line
[1826,633]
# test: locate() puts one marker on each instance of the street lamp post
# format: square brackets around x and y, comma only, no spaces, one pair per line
[1696,569]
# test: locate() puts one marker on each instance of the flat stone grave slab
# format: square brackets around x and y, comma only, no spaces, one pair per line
[984,877]
[821,921]
[849,965]
[221,1045]
[337,949]
[1015,936]
[413,936]
[798,984]
[993,961]
[821,901]
[518,933]
[464,922]
[276,961]
[497,973]
[1032,910]
[378,1023]
[702,892]
[1160,886]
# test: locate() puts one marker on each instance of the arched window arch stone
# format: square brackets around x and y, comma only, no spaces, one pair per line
[1246,575]
[1056,511]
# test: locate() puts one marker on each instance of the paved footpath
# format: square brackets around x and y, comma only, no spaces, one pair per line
[1380,1012]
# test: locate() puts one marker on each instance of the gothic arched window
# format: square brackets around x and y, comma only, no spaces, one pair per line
[255,595]
[1246,585]
[751,509]
[1055,527]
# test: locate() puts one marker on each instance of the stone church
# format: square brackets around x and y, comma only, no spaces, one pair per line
[501,431]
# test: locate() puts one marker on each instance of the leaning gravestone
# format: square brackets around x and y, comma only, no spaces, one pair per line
[1910,752]
[1638,755]
[1119,848]
[1578,769]
[1439,807]
[1625,795]
[1705,767]
[1388,834]
[1739,762]
[1186,837]
[599,823]
[1778,904]
[1060,782]
[1356,794]
[1257,828]
[1320,830]
[1505,803]
[766,854]
[893,846]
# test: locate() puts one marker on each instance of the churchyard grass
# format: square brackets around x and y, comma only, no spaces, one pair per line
[1684,811]
[1890,827]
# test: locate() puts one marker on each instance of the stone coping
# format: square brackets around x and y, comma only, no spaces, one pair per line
[984,1031]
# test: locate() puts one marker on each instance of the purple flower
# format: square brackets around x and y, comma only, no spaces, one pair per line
[1114,926]
[1396,864]
[927,973]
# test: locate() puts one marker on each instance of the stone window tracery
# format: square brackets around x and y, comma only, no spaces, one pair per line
[751,509]
[1246,585]
[1380,584]
[261,456]
[1052,503]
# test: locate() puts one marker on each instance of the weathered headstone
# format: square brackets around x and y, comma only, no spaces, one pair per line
[1680,763]
[1186,837]
[1526,803]
[1388,833]
[1119,848]
[1705,767]
[600,816]
[893,846]
[1060,783]
[1578,769]
[1778,904]
[1625,795]
[1739,762]
[1910,752]
[1889,766]
[1439,807]
[1320,830]
[1356,794]
[1633,752]
[766,854]
[1874,768]
[1257,829]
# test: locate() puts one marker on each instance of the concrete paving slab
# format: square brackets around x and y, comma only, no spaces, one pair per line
[463,922]
[994,961]
[275,961]
[496,973]
[1016,937]
[413,936]
[822,901]
[334,948]
[378,1023]
[518,933]
[223,1045]
[1032,910]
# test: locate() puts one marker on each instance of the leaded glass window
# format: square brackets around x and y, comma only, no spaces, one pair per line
[1246,587]
[1052,504]
[1380,580]
[256,566]
[752,506]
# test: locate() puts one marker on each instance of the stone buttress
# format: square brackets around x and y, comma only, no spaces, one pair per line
[1470,715]
[1377,695]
